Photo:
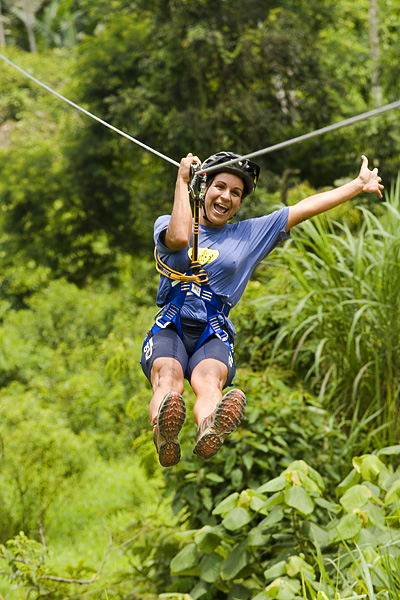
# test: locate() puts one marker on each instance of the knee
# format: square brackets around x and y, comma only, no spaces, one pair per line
[168,377]
[209,378]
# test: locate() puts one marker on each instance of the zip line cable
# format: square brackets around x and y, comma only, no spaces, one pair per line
[267,150]
[86,112]
[307,136]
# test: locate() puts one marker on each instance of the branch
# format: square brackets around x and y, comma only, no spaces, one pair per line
[83,581]
[43,539]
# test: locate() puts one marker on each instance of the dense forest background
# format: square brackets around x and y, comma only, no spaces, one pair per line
[301,501]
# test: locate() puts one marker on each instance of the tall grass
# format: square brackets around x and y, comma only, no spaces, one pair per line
[341,329]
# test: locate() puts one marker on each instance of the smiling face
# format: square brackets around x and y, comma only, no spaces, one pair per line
[222,200]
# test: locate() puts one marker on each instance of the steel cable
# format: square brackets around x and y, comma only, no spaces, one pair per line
[267,150]
[86,112]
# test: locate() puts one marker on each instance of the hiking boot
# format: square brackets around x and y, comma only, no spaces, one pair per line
[215,428]
[166,427]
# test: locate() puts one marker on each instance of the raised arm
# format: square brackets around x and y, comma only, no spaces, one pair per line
[177,236]
[367,181]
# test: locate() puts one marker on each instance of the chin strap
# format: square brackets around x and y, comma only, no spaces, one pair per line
[197,188]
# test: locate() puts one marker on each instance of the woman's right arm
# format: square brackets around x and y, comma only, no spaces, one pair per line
[177,235]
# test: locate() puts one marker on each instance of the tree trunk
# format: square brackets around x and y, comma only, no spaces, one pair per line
[29,24]
[2,32]
[376,92]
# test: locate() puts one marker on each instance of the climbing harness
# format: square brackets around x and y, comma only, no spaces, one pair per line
[193,283]
[196,283]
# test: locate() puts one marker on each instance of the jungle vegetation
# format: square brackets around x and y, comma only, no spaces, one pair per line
[302,501]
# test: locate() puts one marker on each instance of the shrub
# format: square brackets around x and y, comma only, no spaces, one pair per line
[287,539]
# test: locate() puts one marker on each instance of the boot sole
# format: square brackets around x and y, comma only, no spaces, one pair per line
[227,417]
[171,416]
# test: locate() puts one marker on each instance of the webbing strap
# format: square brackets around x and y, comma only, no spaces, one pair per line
[213,303]
[200,277]
[204,293]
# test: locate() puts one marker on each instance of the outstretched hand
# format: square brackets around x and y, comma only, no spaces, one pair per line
[370,179]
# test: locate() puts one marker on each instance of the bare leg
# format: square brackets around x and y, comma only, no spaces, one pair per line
[216,416]
[208,379]
[166,376]
[167,409]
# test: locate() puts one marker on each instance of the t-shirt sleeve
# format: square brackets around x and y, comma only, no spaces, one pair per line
[161,225]
[266,232]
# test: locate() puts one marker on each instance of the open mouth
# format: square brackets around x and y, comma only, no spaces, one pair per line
[220,208]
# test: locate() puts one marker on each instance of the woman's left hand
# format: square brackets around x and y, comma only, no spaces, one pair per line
[370,179]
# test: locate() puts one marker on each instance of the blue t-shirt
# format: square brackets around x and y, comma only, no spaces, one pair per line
[228,255]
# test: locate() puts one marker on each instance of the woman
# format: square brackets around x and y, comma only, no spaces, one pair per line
[193,337]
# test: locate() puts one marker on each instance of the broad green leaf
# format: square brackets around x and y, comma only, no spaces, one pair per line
[208,538]
[276,570]
[234,562]
[226,505]
[239,592]
[297,498]
[248,460]
[236,518]
[372,468]
[376,515]
[245,499]
[393,494]
[186,559]
[274,500]
[257,538]
[390,450]
[374,489]
[298,465]
[210,567]
[318,535]
[214,477]
[297,565]
[348,527]
[352,479]
[283,589]
[275,516]
[311,485]
[330,506]
[257,503]
[356,497]
[275,485]
[206,496]
[199,591]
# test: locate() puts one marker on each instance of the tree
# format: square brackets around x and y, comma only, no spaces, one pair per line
[26,11]
[376,91]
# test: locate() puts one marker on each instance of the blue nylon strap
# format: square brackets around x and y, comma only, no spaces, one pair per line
[202,292]
[213,303]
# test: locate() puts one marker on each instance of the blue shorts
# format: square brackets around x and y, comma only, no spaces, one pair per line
[167,344]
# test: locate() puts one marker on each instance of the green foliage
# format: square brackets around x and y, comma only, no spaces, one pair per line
[335,314]
[77,202]
[285,539]
[282,424]
[42,459]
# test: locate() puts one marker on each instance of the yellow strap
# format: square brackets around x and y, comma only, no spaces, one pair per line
[200,278]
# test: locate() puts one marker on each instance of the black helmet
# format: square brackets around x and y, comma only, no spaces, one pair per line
[245,169]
